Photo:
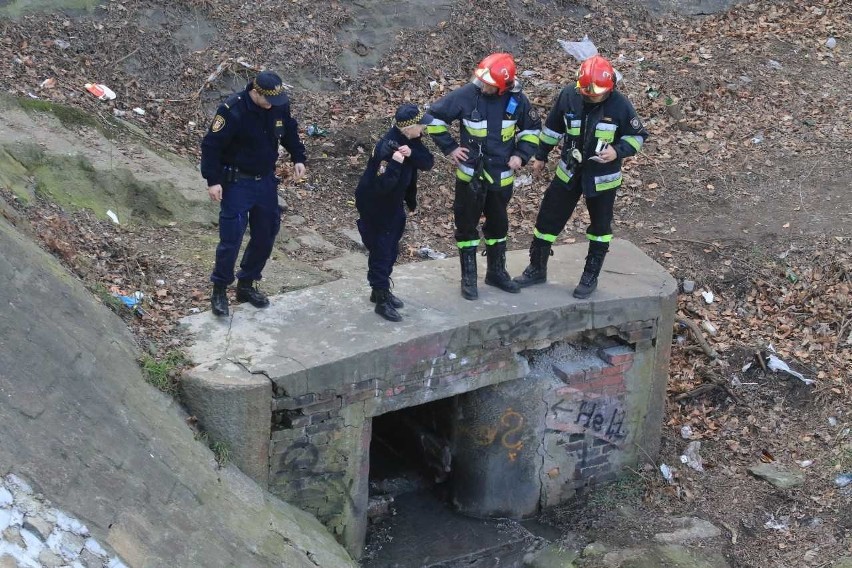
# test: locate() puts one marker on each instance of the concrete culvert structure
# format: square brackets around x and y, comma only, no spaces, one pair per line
[525,399]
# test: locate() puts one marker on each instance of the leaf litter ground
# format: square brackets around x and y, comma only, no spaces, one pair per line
[743,189]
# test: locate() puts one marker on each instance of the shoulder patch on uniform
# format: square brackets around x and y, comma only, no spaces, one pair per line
[533,113]
[218,123]
[636,123]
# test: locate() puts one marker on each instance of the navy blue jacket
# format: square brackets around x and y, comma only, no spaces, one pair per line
[386,183]
[501,126]
[581,125]
[246,136]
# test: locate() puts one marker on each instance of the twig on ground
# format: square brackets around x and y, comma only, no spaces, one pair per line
[841,332]
[759,355]
[699,337]
[117,61]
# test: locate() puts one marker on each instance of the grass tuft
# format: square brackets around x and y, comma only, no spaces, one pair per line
[163,373]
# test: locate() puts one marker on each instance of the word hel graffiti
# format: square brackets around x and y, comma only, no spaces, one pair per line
[603,417]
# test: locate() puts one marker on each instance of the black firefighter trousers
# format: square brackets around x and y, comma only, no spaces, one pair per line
[560,200]
[469,207]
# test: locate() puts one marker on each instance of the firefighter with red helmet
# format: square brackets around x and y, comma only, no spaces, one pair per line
[499,134]
[598,128]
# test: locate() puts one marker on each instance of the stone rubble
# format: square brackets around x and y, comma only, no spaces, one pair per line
[35,535]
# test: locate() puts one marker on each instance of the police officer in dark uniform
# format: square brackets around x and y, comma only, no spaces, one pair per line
[389,180]
[238,156]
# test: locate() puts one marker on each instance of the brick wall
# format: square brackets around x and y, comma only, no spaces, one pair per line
[319,444]
[588,425]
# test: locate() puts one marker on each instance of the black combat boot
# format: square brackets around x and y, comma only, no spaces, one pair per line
[536,272]
[394,301]
[467,256]
[246,292]
[384,306]
[496,274]
[219,300]
[594,263]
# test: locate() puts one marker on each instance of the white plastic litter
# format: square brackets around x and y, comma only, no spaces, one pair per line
[686,432]
[140,111]
[805,463]
[668,475]
[746,367]
[776,364]
[777,524]
[579,50]
[523,181]
[426,252]
[112,216]
[831,43]
[709,327]
[708,296]
[691,456]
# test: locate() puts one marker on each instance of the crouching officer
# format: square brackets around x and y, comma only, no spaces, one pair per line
[238,156]
[390,180]
[598,128]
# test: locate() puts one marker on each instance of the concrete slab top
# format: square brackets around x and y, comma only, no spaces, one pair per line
[335,321]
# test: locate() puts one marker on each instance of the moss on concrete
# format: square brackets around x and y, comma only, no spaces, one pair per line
[68,116]
[15,177]
[72,182]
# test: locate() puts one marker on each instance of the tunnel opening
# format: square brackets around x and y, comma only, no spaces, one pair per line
[410,452]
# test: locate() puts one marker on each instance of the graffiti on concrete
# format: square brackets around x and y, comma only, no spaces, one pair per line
[528,326]
[510,428]
[603,417]
[323,487]
[301,456]
[512,438]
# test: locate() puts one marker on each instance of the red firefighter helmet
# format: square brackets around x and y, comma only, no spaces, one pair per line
[497,70]
[596,77]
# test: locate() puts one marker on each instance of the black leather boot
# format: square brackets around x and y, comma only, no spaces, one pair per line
[384,307]
[496,275]
[394,301]
[246,292]
[594,263]
[467,256]
[536,272]
[219,300]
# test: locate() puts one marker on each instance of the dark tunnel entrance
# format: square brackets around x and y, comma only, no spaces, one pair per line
[410,452]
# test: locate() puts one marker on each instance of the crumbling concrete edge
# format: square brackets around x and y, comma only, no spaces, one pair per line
[231,402]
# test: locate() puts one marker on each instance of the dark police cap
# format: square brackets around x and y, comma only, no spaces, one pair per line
[271,87]
[408,114]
